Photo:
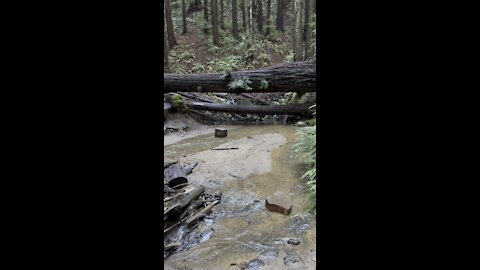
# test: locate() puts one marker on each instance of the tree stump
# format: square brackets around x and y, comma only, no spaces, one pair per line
[220,133]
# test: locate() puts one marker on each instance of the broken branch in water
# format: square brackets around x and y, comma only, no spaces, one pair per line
[231,148]
[202,213]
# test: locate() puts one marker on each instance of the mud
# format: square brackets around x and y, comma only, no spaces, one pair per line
[241,233]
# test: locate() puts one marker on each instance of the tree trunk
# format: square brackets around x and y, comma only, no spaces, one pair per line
[289,77]
[248,30]
[184,14]
[251,109]
[172,42]
[214,13]
[280,26]
[165,48]
[269,7]
[235,20]
[222,10]
[244,15]
[260,16]
[307,32]
[297,34]
[205,10]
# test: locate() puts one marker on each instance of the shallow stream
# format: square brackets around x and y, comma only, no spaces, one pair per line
[241,233]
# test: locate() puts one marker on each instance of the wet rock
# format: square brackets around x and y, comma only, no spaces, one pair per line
[279,202]
[254,264]
[269,253]
[291,259]
[293,241]
[268,256]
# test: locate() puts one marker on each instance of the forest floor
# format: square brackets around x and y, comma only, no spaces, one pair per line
[195,52]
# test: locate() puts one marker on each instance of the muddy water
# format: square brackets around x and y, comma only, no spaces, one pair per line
[241,232]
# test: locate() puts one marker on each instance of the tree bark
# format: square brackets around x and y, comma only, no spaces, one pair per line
[252,109]
[175,175]
[222,10]
[165,48]
[235,20]
[260,16]
[307,32]
[290,77]
[244,15]
[172,42]
[214,13]
[184,15]
[280,26]
[205,10]
[269,7]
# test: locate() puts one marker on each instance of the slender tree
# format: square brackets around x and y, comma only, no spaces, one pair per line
[260,16]
[165,47]
[297,31]
[205,10]
[184,14]
[222,10]
[214,13]
[249,14]
[280,26]
[235,20]
[269,6]
[244,15]
[172,42]
[307,32]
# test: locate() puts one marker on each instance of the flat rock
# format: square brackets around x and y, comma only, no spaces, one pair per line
[279,202]
[254,264]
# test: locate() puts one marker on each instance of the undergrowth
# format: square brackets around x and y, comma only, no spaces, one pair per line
[307,149]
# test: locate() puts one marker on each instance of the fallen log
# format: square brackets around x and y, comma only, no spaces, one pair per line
[289,77]
[251,109]
[175,175]
[192,195]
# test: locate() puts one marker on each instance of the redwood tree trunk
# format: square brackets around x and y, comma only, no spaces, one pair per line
[235,20]
[280,26]
[214,13]
[205,10]
[269,6]
[184,15]
[172,42]
[289,77]
[260,16]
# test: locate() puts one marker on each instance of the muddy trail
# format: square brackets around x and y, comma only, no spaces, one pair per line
[240,232]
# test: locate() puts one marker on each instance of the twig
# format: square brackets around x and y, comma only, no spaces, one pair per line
[202,213]
[172,245]
[173,226]
[231,148]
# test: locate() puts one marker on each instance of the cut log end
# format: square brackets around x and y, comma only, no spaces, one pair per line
[220,133]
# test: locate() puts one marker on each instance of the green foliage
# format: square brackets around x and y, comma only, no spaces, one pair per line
[263,84]
[197,68]
[307,148]
[225,64]
[175,100]
[240,82]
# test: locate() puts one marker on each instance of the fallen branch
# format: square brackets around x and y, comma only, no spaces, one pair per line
[202,213]
[231,148]
[251,109]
